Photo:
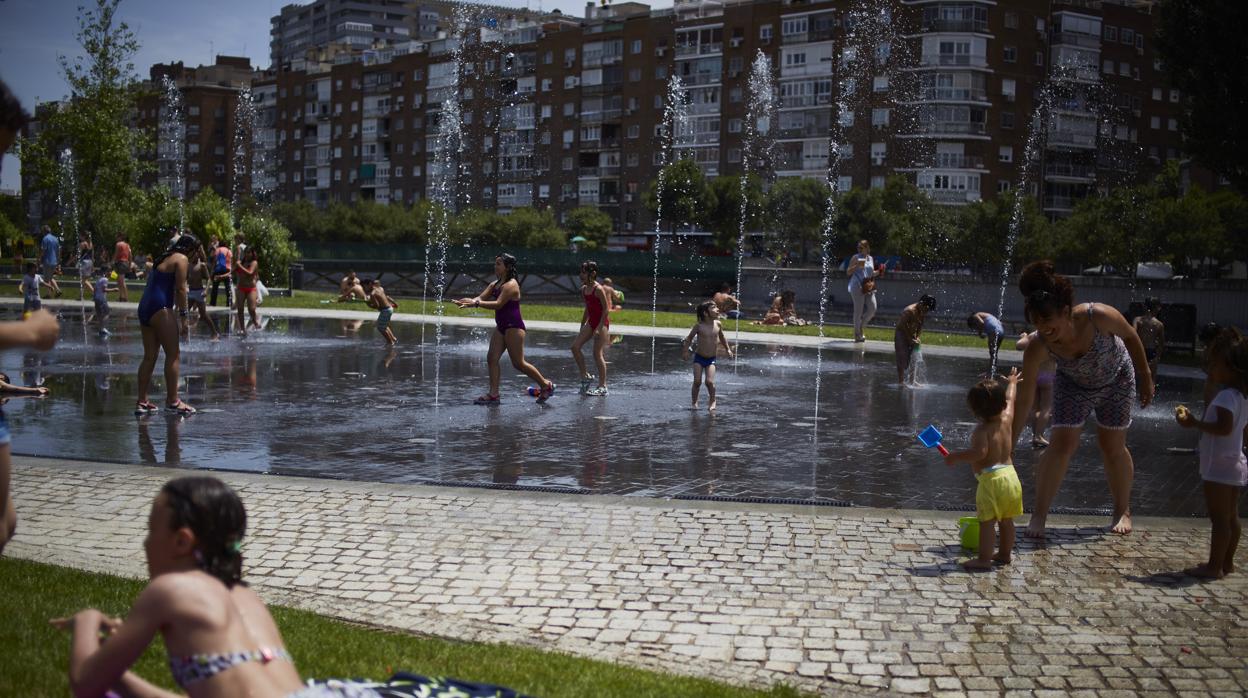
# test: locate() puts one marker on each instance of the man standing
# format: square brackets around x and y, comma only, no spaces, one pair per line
[50,257]
[221,264]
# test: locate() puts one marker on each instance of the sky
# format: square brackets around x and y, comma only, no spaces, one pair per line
[34,32]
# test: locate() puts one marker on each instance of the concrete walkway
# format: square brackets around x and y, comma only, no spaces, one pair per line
[825,599]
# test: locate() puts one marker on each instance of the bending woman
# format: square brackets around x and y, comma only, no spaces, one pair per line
[1100,367]
[166,287]
[595,324]
[503,297]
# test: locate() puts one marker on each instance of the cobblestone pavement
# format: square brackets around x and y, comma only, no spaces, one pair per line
[825,599]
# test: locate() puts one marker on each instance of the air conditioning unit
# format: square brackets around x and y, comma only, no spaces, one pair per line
[765,41]
[628,198]
[567,146]
[576,82]
[628,225]
[660,51]
[736,41]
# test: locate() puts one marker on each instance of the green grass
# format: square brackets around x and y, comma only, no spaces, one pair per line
[35,657]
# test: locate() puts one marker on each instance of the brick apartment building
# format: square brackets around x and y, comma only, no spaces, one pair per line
[560,112]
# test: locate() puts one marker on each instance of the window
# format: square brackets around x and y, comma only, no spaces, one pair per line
[844,183]
[1005,153]
[793,27]
[1011,20]
[569,108]
[193,110]
[880,84]
[734,95]
[1172,124]
[877,181]
[636,45]
[1124,69]
[846,150]
[1127,36]
[634,74]
[1174,96]
[1107,67]
[734,155]
[398,172]
[1040,24]
[634,131]
[632,159]
[1039,58]
[1157,94]
[1008,89]
[879,151]
[879,117]
[338,151]
[568,135]
[764,33]
[734,126]
[567,164]
[355,106]
[660,72]
[794,59]
[337,175]
[1011,54]
[1111,33]
[1003,186]
[846,118]
[1007,119]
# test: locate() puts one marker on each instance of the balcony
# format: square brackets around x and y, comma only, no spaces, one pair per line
[935,26]
[953,59]
[1059,203]
[953,94]
[588,172]
[820,68]
[815,130]
[378,181]
[373,112]
[956,128]
[794,38]
[519,173]
[699,50]
[703,109]
[951,196]
[802,101]
[1069,171]
[1076,39]
[702,79]
[957,161]
[1071,139]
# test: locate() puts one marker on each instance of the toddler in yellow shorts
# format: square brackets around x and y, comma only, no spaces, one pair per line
[999,496]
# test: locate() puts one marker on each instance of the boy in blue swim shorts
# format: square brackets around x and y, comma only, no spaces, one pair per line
[704,340]
[385,305]
[999,495]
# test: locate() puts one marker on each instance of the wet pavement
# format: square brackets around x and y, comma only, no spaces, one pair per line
[324,398]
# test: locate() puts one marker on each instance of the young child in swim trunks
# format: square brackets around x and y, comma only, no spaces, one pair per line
[705,339]
[999,495]
[1152,333]
[385,305]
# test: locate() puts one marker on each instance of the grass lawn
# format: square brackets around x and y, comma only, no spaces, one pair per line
[35,657]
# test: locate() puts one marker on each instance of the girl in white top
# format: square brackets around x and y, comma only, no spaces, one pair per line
[1223,466]
[861,267]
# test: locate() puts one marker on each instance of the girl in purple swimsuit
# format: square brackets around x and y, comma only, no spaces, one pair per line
[165,291]
[503,297]
[1100,367]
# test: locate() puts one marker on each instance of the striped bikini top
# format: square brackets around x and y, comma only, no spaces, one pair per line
[198,667]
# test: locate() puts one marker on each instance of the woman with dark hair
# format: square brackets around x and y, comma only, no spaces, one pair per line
[248,270]
[503,297]
[220,637]
[595,324]
[166,287]
[1101,366]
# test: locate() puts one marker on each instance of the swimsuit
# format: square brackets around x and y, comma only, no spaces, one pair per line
[197,667]
[101,296]
[1150,353]
[246,290]
[1100,381]
[594,310]
[703,361]
[195,295]
[508,316]
[999,495]
[157,296]
[383,318]
[31,300]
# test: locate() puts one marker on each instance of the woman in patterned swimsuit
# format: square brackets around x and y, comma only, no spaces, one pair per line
[1100,366]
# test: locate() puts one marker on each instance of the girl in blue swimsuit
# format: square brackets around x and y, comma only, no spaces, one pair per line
[166,287]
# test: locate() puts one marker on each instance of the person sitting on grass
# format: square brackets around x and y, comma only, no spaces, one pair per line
[351,288]
[999,495]
[1223,467]
[775,313]
[728,304]
[616,295]
[788,309]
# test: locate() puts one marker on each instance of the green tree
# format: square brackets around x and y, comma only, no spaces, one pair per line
[685,196]
[1195,39]
[724,218]
[95,122]
[589,223]
[918,227]
[795,211]
[272,243]
[529,227]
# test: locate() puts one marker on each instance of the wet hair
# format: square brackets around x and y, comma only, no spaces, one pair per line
[927,301]
[31,267]
[987,399]
[704,309]
[1152,304]
[864,241]
[788,296]
[509,265]
[1045,292]
[12,116]
[972,320]
[216,516]
[590,267]
[4,377]
[725,287]
[185,244]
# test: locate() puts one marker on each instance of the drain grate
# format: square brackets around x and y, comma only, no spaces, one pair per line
[763,500]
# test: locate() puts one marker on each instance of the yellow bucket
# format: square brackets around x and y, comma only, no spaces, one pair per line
[968,526]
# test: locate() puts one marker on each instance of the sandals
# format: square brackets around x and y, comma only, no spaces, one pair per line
[546,392]
[487,399]
[180,408]
[145,407]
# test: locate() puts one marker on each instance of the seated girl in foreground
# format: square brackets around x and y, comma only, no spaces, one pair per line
[220,637]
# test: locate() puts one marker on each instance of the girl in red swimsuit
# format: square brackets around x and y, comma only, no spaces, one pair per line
[248,270]
[503,297]
[595,323]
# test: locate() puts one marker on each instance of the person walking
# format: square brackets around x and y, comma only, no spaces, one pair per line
[861,272]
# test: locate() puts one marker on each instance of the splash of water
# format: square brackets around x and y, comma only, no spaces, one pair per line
[760,113]
[244,132]
[675,126]
[172,130]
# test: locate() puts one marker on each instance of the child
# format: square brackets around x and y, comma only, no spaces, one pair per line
[1152,333]
[1222,464]
[385,306]
[987,325]
[1042,407]
[616,295]
[30,289]
[196,278]
[595,324]
[7,388]
[99,294]
[909,330]
[218,634]
[709,336]
[999,496]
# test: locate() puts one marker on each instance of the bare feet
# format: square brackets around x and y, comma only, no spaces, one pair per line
[1039,443]
[977,565]
[711,407]
[1123,525]
[1035,528]
[1228,568]
[1000,559]
[1203,572]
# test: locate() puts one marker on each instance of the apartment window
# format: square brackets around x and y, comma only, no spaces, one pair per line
[1039,58]
[764,33]
[658,101]
[660,72]
[1172,124]
[1008,89]
[193,110]
[338,151]
[734,95]
[1007,119]
[636,46]
[568,135]
[734,155]
[634,74]
[1157,94]
[1157,64]
[398,149]
[634,131]
[1040,24]
[879,117]
[1003,186]
[282,93]
[1124,69]
[844,183]
[734,126]
[880,84]
[632,159]
[1127,36]
[569,56]
[793,27]
[846,119]
[355,106]
[543,191]
[877,181]
[1139,42]
[337,108]
[1111,33]
[1011,20]
[1005,153]
[547,84]
[847,151]
[879,151]
[656,158]
[1011,54]
[398,172]
[1174,96]
[192,167]
[337,175]
[1107,67]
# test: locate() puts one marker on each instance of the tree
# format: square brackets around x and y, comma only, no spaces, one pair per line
[1194,40]
[529,227]
[795,211]
[685,195]
[589,223]
[272,243]
[95,123]
[724,218]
